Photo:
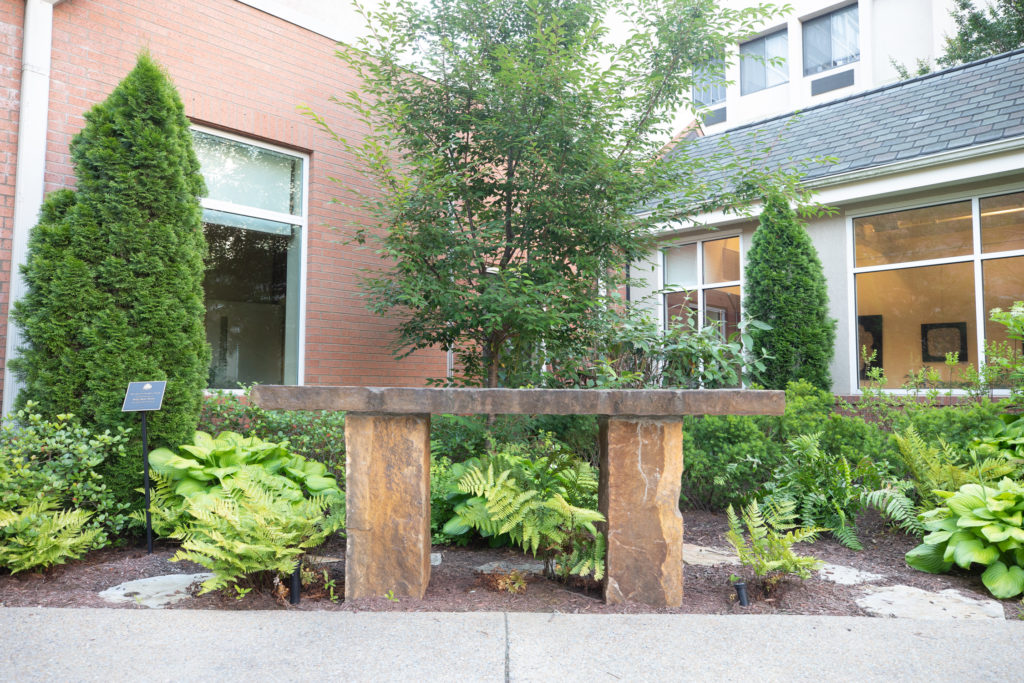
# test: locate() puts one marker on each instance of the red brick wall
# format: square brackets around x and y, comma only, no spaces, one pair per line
[243,71]
[12,19]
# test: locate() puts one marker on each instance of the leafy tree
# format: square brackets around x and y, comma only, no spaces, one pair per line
[115,272]
[785,288]
[519,165]
[982,30]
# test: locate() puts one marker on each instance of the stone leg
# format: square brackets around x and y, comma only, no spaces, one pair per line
[387,464]
[641,470]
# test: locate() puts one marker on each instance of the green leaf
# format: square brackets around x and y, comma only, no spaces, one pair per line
[1002,581]
[974,550]
[994,533]
[928,558]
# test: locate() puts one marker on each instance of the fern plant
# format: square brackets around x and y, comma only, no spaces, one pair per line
[772,533]
[39,535]
[825,489]
[542,500]
[251,528]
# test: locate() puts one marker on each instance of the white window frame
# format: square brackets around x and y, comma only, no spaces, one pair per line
[976,257]
[701,285]
[301,220]
[710,80]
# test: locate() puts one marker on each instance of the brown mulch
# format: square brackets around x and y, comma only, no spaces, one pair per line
[456,586]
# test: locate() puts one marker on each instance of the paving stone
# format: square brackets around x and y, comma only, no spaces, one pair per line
[913,603]
[707,557]
[321,559]
[155,592]
[435,559]
[507,566]
[846,576]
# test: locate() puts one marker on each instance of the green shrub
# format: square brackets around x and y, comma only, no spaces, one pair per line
[538,496]
[977,525]
[785,288]
[772,534]
[826,490]
[442,483]
[255,525]
[60,460]
[725,460]
[114,275]
[957,425]
[38,535]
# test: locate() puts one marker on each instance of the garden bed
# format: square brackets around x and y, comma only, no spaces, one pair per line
[456,586]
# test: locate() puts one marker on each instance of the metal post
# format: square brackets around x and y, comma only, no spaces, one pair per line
[145,480]
[297,583]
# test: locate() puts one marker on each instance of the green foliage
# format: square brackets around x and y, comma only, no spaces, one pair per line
[254,525]
[114,274]
[725,459]
[59,460]
[977,525]
[442,483]
[319,435]
[959,424]
[769,549]
[537,495]
[1008,358]
[983,31]
[513,162]
[38,535]
[825,489]
[208,465]
[785,288]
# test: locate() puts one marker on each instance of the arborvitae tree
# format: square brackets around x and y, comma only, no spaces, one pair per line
[115,273]
[785,287]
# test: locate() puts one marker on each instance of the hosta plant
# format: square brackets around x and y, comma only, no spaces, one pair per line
[981,525]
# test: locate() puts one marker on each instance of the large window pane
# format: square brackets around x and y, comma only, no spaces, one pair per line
[248,175]
[722,260]
[912,315]
[831,40]
[915,235]
[681,267]
[757,71]
[722,308]
[251,288]
[709,88]
[1002,222]
[681,307]
[776,47]
[1003,282]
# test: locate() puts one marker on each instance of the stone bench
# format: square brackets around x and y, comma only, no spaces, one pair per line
[387,443]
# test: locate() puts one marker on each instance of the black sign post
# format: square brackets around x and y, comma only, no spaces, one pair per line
[143,397]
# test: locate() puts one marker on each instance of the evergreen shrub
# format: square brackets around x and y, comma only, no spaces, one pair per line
[785,288]
[114,274]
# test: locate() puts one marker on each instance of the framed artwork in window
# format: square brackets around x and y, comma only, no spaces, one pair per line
[938,339]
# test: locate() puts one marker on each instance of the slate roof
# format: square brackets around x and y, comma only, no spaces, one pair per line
[952,109]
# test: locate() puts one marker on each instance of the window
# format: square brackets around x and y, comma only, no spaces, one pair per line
[253,218]
[759,65]
[709,88]
[925,280]
[704,277]
[831,41]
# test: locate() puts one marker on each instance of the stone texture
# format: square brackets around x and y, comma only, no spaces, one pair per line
[641,467]
[913,603]
[846,576]
[708,557]
[155,592]
[535,567]
[388,505]
[634,402]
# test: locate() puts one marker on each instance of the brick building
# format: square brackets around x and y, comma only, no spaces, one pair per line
[242,69]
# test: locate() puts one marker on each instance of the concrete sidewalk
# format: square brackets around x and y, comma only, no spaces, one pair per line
[183,645]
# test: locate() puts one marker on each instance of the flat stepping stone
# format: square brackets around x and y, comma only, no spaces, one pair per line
[707,557]
[507,567]
[846,576]
[321,559]
[907,602]
[435,559]
[155,592]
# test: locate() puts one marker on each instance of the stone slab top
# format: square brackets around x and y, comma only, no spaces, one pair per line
[614,402]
